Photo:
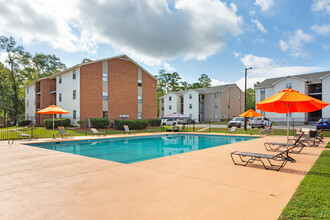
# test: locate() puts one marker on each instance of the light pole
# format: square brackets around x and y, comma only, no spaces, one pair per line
[246,69]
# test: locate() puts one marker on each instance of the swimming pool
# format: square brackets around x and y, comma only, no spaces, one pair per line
[134,149]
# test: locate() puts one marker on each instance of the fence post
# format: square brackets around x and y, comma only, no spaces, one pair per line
[209,125]
[86,127]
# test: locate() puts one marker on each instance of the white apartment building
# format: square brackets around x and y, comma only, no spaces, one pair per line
[316,85]
[212,103]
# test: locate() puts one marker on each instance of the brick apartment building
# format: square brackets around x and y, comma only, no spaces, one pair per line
[204,104]
[108,88]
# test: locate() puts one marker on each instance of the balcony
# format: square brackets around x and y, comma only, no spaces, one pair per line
[38,90]
[315,89]
[53,89]
[38,105]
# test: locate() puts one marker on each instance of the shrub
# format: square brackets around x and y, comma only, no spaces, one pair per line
[81,123]
[99,122]
[155,122]
[24,122]
[57,122]
[132,124]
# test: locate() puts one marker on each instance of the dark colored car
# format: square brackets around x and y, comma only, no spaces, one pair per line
[189,121]
[323,123]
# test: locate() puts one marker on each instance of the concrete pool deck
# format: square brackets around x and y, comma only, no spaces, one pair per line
[37,183]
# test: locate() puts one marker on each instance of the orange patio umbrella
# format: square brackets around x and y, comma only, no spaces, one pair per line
[53,110]
[288,101]
[250,113]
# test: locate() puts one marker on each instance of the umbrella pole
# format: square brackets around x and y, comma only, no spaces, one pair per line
[287,129]
[53,128]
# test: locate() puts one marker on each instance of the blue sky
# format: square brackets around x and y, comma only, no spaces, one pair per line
[191,37]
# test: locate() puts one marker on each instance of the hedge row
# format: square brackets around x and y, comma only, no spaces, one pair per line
[57,122]
[24,122]
[132,124]
[99,122]
[155,122]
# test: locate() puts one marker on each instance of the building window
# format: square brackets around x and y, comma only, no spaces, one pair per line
[27,90]
[170,98]
[139,99]
[105,77]
[60,97]
[162,108]
[105,96]
[190,96]
[139,115]
[74,112]
[74,94]
[190,106]
[289,85]
[74,74]
[170,107]
[162,100]
[262,91]
[289,115]
[60,79]
[27,116]
[190,115]
[215,115]
[216,95]
[105,114]
[215,105]
[139,82]
[27,104]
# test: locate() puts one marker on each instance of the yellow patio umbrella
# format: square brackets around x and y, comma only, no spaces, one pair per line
[53,110]
[250,113]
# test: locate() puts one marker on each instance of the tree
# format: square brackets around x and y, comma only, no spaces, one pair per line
[87,60]
[250,99]
[204,81]
[167,82]
[16,56]
[47,65]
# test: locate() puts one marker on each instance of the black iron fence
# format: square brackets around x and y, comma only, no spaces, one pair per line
[22,127]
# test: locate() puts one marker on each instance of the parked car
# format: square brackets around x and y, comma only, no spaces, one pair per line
[171,122]
[236,122]
[261,122]
[323,123]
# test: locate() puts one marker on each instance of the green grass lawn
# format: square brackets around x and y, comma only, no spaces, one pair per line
[312,198]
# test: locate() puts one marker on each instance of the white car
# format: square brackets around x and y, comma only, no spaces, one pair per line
[261,122]
[171,122]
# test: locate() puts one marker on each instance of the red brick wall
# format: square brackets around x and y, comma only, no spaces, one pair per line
[46,98]
[149,97]
[123,88]
[91,90]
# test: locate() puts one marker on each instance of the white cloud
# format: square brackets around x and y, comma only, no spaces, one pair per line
[146,30]
[259,25]
[264,67]
[264,4]
[321,5]
[236,54]
[168,67]
[323,30]
[295,43]
[216,82]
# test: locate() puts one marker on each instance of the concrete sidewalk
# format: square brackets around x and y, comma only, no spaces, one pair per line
[37,183]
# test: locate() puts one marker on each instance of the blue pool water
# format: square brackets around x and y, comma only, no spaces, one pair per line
[134,149]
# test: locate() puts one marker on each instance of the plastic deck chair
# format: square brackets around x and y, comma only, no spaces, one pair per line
[232,130]
[249,157]
[96,132]
[270,146]
[127,129]
[62,133]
